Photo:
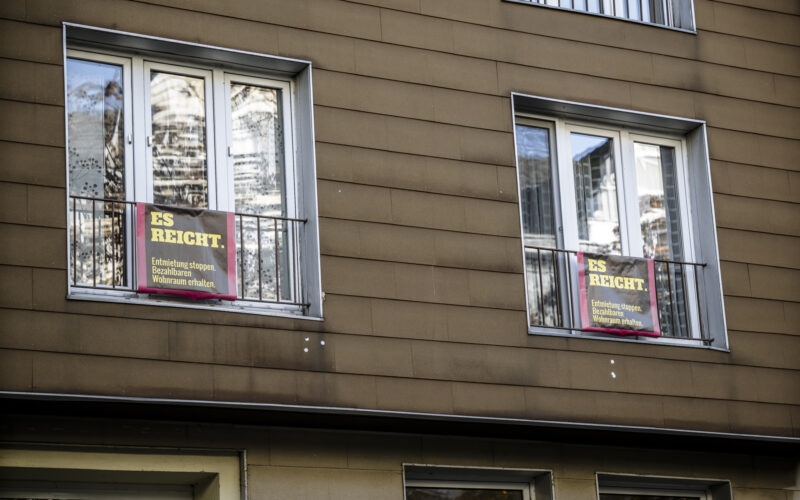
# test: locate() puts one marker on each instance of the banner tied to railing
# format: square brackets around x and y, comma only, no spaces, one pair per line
[618,295]
[184,251]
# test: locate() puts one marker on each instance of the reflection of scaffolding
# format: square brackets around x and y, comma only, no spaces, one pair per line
[102,252]
[552,288]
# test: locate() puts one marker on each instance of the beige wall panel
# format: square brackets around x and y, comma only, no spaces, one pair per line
[18,296]
[413,136]
[758,248]
[13,9]
[414,172]
[348,314]
[747,22]
[423,66]
[324,484]
[316,15]
[31,82]
[32,246]
[331,52]
[749,53]
[775,283]
[371,355]
[762,349]
[272,349]
[489,400]
[774,420]
[32,123]
[735,279]
[191,342]
[328,389]
[146,19]
[13,203]
[447,322]
[31,164]
[785,6]
[408,394]
[786,87]
[84,334]
[16,370]
[757,315]
[748,116]
[755,182]
[382,452]
[752,214]
[413,208]
[67,373]
[745,383]
[15,42]
[419,246]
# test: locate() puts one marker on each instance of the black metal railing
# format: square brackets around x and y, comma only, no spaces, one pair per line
[552,282]
[103,251]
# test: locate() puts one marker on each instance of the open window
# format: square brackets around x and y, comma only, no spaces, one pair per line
[434,482]
[618,183]
[637,487]
[176,124]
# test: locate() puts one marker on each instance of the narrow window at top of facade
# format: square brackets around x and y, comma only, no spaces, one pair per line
[670,13]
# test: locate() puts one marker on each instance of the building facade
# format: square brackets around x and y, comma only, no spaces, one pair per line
[436,210]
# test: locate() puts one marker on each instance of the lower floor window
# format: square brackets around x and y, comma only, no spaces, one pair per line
[467,491]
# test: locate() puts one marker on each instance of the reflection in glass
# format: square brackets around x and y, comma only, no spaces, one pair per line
[178,114]
[96,131]
[257,148]
[596,194]
[659,218]
[626,496]
[424,493]
[538,223]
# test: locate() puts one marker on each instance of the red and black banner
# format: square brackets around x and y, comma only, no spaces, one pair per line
[185,251]
[618,295]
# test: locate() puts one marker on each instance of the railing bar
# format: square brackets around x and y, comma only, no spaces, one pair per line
[556,278]
[277,258]
[655,260]
[685,310]
[74,241]
[258,235]
[113,249]
[541,286]
[697,299]
[641,10]
[241,251]
[94,237]
[658,307]
[671,299]
[569,291]
[294,261]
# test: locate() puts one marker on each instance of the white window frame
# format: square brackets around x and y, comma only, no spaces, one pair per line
[693,202]
[299,165]
[641,484]
[692,493]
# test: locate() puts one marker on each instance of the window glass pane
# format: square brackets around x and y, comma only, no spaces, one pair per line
[257,147]
[178,113]
[596,194]
[659,218]
[538,222]
[418,493]
[96,131]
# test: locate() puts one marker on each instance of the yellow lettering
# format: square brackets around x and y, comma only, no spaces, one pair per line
[156,234]
[169,236]
[618,282]
[639,283]
[215,240]
[155,219]
[601,266]
[168,219]
[188,237]
[605,280]
[593,280]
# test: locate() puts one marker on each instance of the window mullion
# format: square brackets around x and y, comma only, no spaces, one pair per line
[143,189]
[629,199]
[223,168]
[566,179]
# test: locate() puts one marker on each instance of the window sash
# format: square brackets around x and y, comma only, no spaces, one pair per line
[629,217]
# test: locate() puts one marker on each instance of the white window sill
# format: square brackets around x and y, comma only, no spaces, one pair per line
[240,307]
[579,334]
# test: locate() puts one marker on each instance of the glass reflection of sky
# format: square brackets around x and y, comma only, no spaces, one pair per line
[585,144]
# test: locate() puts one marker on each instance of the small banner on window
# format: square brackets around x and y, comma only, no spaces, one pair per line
[618,295]
[184,251]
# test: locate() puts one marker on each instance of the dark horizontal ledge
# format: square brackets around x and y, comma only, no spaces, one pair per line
[373,420]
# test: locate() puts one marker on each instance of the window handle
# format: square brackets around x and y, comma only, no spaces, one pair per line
[149,141]
[130,139]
